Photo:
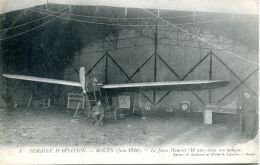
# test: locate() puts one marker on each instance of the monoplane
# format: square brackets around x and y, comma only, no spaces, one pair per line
[106,90]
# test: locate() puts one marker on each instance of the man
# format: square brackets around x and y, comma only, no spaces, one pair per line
[248,115]
[98,113]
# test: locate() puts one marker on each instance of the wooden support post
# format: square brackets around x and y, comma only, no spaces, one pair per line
[155,61]
[133,110]
[106,69]
[155,54]
[210,74]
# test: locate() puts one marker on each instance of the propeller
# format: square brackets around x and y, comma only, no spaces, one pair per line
[82,79]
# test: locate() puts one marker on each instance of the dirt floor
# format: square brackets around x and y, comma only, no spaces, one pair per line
[23,127]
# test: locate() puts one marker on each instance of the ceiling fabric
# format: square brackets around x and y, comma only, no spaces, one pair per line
[218,6]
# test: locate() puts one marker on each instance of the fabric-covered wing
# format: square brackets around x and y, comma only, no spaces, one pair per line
[168,85]
[45,80]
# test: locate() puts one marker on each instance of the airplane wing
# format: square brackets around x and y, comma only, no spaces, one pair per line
[134,87]
[167,85]
[45,80]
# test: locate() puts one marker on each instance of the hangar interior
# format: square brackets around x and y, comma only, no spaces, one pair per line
[119,44]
